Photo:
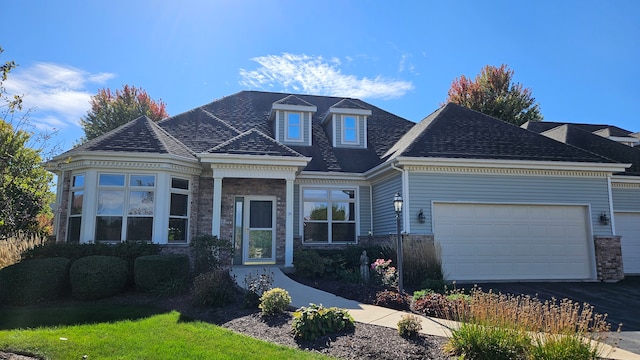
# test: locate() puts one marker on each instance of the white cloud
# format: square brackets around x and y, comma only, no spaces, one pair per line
[315,75]
[58,94]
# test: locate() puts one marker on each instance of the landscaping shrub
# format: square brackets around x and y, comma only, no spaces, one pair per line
[11,248]
[421,262]
[97,276]
[432,304]
[215,288]
[475,341]
[409,325]
[206,251]
[384,273]
[274,301]
[343,264]
[34,281]
[309,323]
[436,285]
[153,272]
[308,263]
[563,347]
[256,285]
[392,299]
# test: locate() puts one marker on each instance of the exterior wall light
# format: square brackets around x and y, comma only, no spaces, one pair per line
[421,218]
[604,219]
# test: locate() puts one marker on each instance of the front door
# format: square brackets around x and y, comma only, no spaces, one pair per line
[259,231]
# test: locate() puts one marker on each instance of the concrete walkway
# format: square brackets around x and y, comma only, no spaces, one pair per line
[302,295]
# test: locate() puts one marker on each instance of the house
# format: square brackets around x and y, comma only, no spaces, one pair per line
[622,146]
[275,172]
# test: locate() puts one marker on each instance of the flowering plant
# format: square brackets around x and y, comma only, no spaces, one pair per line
[385,273]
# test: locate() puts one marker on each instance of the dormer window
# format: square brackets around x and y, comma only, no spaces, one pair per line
[293,126]
[349,129]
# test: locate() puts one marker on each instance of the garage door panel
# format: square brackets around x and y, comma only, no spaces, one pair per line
[506,242]
[628,227]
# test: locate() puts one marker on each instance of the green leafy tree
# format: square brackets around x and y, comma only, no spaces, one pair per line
[24,183]
[494,93]
[110,110]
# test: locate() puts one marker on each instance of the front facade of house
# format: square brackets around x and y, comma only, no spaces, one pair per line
[276,172]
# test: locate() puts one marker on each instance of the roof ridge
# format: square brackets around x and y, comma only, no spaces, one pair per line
[157,128]
[220,120]
[260,133]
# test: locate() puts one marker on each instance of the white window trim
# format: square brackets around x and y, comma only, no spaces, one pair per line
[356,202]
[343,119]
[187,217]
[287,138]
[73,189]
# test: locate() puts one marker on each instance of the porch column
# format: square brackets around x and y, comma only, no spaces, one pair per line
[217,206]
[288,247]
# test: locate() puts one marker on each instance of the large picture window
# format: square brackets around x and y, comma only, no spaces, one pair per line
[125,209]
[329,215]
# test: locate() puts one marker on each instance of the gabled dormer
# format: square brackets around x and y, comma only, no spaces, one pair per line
[346,122]
[292,120]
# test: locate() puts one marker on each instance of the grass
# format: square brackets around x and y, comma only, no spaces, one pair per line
[148,334]
[11,248]
[496,323]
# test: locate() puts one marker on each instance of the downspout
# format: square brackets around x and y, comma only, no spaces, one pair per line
[405,197]
[611,215]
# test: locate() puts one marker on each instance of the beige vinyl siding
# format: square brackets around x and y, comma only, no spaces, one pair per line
[365,210]
[384,218]
[626,199]
[509,189]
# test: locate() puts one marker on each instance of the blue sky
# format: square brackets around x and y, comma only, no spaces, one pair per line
[580,58]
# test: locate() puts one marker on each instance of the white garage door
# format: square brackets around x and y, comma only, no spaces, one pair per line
[628,226]
[513,242]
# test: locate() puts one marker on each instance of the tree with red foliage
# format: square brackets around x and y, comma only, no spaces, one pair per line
[493,93]
[110,110]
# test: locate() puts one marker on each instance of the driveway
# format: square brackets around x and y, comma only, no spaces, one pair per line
[621,301]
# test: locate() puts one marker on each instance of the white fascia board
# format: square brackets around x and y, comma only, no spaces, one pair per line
[316,175]
[294,107]
[513,164]
[347,111]
[254,159]
[89,159]
[625,179]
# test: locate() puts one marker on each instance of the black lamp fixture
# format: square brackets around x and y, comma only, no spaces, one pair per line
[604,219]
[397,205]
[421,218]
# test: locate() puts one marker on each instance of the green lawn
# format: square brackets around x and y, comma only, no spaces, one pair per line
[152,335]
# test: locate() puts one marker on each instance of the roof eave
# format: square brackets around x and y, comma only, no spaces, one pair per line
[297,161]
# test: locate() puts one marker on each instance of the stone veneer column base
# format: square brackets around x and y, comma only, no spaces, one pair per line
[609,258]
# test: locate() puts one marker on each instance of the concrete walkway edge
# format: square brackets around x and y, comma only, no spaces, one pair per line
[302,295]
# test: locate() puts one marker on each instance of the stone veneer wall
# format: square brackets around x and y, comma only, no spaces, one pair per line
[232,187]
[609,258]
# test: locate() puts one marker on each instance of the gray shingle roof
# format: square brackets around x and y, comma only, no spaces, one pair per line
[141,135]
[292,100]
[199,130]
[253,142]
[600,129]
[457,132]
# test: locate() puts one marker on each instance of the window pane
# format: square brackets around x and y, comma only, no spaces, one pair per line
[261,214]
[315,210]
[110,202]
[178,230]
[73,232]
[343,211]
[141,203]
[349,122]
[76,202]
[343,194]
[260,244]
[342,232]
[293,126]
[179,204]
[350,135]
[316,232]
[78,181]
[314,194]
[111,180]
[142,180]
[108,228]
[294,119]
[139,228]
[180,184]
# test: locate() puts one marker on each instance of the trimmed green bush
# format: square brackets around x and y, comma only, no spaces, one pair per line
[97,277]
[215,288]
[153,272]
[309,323]
[206,251]
[34,281]
[274,301]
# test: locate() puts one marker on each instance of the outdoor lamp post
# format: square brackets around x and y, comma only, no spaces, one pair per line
[397,205]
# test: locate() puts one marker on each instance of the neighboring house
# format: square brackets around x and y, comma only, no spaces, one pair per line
[622,146]
[275,172]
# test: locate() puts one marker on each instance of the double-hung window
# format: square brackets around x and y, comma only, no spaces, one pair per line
[293,126]
[329,215]
[349,129]
[125,207]
[179,211]
[75,211]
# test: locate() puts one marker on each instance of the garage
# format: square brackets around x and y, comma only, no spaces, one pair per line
[513,242]
[628,226]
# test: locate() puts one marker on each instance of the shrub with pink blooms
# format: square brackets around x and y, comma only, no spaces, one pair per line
[385,273]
